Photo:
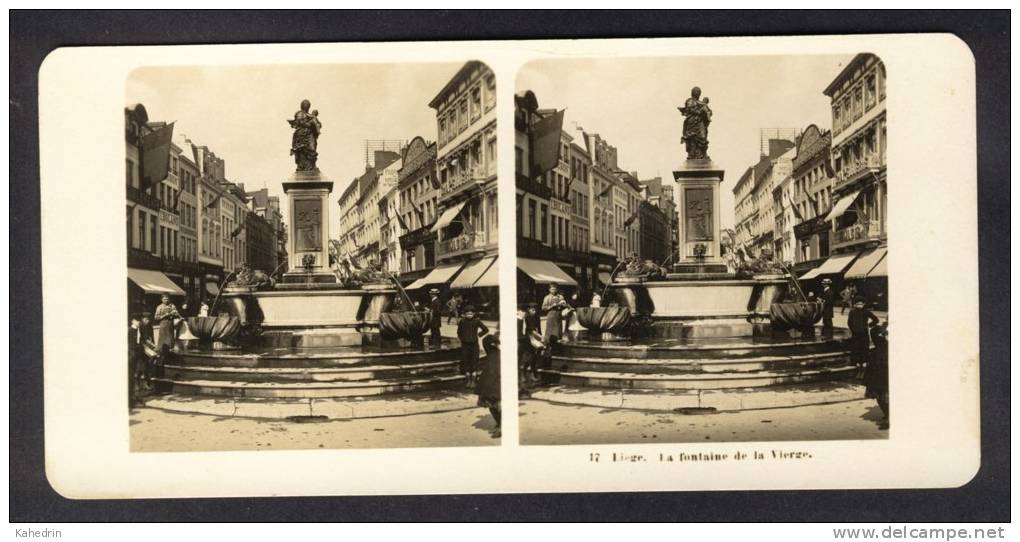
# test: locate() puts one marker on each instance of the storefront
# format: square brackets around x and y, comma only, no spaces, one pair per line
[146,287]
[482,294]
[535,276]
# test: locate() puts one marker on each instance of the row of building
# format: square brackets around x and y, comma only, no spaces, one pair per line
[578,213]
[425,209]
[188,226]
[817,200]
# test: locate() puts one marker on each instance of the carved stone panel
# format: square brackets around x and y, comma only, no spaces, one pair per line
[308,225]
[698,208]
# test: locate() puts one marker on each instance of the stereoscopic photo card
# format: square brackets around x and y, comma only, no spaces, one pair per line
[726,263]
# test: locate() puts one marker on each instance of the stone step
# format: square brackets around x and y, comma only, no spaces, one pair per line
[714,348]
[705,401]
[699,366]
[235,388]
[703,381]
[313,357]
[308,374]
[315,409]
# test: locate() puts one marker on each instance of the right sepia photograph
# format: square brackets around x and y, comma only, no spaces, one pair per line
[702,249]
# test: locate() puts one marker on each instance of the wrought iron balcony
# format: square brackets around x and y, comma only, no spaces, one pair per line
[142,198]
[856,233]
[466,242]
[855,169]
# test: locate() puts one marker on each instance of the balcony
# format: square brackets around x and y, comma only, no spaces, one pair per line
[855,234]
[464,180]
[533,187]
[144,199]
[464,243]
[855,169]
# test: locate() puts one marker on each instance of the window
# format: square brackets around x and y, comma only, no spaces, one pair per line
[531,219]
[545,223]
[870,91]
[476,103]
[490,95]
[130,173]
[152,234]
[463,116]
[519,161]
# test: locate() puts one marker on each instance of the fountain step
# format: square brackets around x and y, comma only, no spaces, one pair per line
[700,348]
[699,365]
[236,388]
[314,357]
[308,374]
[708,401]
[694,381]
[343,408]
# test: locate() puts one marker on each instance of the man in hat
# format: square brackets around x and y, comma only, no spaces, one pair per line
[435,317]
[469,329]
[860,321]
[828,298]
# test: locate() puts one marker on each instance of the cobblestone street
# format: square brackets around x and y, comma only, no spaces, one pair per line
[546,423]
[154,430]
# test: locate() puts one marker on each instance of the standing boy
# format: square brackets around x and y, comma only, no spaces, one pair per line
[469,329]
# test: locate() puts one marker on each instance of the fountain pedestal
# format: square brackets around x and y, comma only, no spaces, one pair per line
[700,233]
[308,251]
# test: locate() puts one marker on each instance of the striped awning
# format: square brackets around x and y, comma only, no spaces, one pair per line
[863,266]
[544,272]
[833,266]
[153,282]
[440,275]
[472,272]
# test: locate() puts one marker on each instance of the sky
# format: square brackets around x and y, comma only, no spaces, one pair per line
[632,104]
[240,113]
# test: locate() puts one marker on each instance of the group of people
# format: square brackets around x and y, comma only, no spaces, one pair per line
[474,336]
[865,329]
[534,342]
[150,339]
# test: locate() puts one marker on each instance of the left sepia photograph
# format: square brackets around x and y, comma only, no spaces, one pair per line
[311,257]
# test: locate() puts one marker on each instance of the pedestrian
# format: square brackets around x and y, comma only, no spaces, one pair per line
[876,376]
[203,309]
[454,308]
[435,317]
[860,321]
[845,295]
[596,300]
[488,388]
[828,298]
[531,347]
[136,360]
[166,314]
[148,351]
[552,307]
[469,329]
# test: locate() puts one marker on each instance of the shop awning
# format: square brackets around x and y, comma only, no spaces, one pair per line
[881,268]
[868,260]
[439,275]
[212,288]
[605,278]
[490,279]
[154,282]
[812,273]
[447,217]
[472,272]
[842,205]
[834,265]
[544,272]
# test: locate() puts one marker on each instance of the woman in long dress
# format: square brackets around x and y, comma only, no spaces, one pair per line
[552,307]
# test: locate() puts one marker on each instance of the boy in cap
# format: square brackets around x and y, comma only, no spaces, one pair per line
[469,329]
[828,298]
[435,317]
[860,320]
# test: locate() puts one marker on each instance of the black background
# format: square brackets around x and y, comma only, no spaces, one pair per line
[34,34]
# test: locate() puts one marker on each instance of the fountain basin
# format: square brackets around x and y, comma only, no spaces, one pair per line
[604,319]
[699,299]
[219,330]
[796,315]
[410,325]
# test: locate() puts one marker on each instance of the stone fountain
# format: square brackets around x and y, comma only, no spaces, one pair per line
[311,344]
[697,336]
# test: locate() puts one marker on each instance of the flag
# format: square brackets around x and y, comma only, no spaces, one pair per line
[545,144]
[155,150]
[177,201]
[213,203]
[629,221]
[796,211]
[418,211]
[605,192]
[400,219]
[237,231]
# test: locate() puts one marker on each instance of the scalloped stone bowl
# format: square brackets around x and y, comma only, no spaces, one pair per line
[604,319]
[409,325]
[220,328]
[795,315]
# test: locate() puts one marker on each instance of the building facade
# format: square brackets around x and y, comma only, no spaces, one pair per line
[653,233]
[418,188]
[467,227]
[812,198]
